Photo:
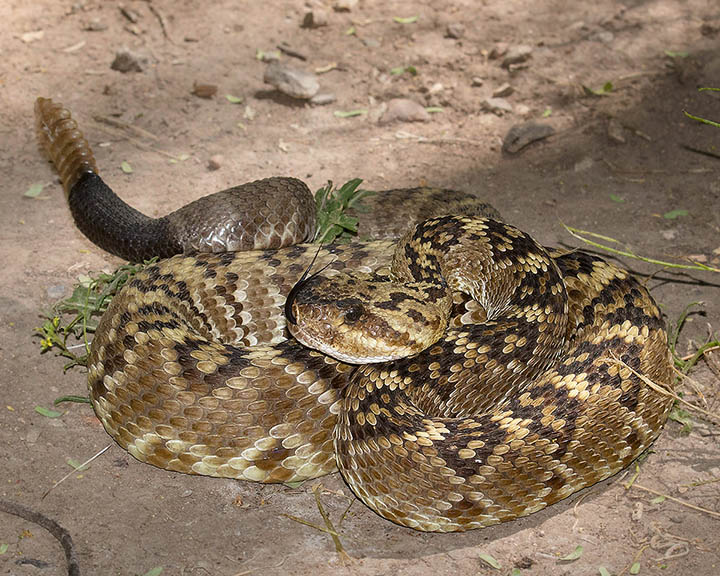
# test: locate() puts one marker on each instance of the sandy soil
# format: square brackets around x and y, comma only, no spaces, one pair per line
[128,518]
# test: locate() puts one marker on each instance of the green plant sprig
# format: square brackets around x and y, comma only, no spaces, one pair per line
[332,204]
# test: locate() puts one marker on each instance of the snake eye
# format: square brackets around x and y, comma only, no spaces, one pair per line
[353,313]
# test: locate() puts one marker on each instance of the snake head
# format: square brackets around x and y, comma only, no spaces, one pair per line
[364,318]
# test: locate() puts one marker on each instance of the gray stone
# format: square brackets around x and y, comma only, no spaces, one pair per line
[345,5]
[56,291]
[215,162]
[499,50]
[497,105]
[476,81]
[404,110]
[516,55]
[127,61]
[315,18]
[503,91]
[455,30]
[292,81]
[521,135]
[323,98]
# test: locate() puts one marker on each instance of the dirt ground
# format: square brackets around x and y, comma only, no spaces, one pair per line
[617,165]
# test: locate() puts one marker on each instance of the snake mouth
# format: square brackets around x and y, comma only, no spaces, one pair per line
[310,341]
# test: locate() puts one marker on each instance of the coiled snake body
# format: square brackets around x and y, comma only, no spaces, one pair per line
[535,389]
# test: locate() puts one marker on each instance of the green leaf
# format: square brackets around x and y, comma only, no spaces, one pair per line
[673,54]
[350,31]
[673,214]
[574,555]
[616,198]
[125,167]
[658,500]
[547,112]
[515,572]
[703,120]
[408,20]
[433,109]
[350,113]
[635,568]
[3,548]
[71,398]
[490,561]
[154,571]
[604,91]
[681,417]
[34,190]
[603,571]
[47,412]
[234,99]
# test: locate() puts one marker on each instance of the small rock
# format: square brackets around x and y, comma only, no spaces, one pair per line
[345,5]
[605,36]
[249,113]
[323,98]
[499,50]
[615,131]
[204,90]
[292,81]
[516,55]
[404,110]
[455,30]
[32,436]
[522,110]
[56,291]
[583,165]
[435,88]
[669,234]
[476,81]
[497,105]
[637,512]
[315,18]
[96,25]
[370,42]
[215,162]
[503,91]
[521,135]
[127,61]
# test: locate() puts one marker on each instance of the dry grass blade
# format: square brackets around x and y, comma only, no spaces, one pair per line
[662,390]
[677,500]
[75,470]
[330,528]
[577,233]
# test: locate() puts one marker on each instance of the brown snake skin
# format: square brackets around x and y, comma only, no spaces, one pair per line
[531,394]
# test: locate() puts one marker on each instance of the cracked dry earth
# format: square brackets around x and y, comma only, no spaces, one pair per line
[615,165]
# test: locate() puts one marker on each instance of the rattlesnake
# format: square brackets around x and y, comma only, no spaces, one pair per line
[535,390]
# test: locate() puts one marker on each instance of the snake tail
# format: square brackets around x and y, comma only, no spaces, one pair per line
[246,217]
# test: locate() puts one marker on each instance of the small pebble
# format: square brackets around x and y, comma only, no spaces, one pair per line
[215,162]
[615,131]
[503,91]
[521,135]
[455,30]
[345,5]
[96,25]
[604,36]
[669,234]
[127,61]
[292,81]
[583,165]
[56,291]
[370,42]
[323,98]
[516,55]
[435,88]
[637,512]
[497,105]
[316,18]
[499,50]
[204,90]
[32,436]
[404,110]
[476,81]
